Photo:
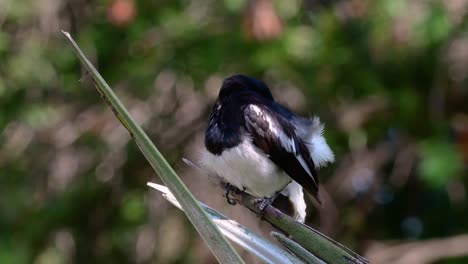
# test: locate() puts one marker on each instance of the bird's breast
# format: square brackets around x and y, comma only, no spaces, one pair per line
[248,168]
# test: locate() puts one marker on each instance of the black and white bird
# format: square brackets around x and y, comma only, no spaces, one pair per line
[261,147]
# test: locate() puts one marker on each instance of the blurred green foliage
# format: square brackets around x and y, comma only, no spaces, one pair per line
[389,78]
[439,164]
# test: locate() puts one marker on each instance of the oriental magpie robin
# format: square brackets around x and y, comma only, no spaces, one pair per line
[261,147]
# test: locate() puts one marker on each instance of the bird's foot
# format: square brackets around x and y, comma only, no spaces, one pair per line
[262,203]
[228,189]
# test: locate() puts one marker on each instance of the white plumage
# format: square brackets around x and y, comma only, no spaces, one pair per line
[296,195]
[247,167]
[319,150]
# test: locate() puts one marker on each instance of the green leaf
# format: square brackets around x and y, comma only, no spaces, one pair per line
[221,248]
[297,249]
[255,244]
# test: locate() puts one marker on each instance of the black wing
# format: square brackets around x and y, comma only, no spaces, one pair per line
[277,138]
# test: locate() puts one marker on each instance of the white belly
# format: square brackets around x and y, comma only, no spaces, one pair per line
[247,167]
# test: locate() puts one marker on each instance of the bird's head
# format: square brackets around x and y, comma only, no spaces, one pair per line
[236,84]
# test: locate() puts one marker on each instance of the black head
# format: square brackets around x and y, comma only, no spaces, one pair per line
[241,83]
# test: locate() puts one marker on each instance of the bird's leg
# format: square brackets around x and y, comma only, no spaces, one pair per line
[228,188]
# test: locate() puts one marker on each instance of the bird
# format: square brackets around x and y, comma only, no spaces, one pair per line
[259,146]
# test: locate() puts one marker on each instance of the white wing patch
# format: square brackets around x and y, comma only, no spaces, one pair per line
[304,165]
[286,142]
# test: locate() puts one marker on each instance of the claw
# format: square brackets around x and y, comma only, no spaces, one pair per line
[227,193]
[264,202]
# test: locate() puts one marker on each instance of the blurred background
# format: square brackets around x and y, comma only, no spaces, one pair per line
[389,79]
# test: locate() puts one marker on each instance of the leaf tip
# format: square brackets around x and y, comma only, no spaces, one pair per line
[67,34]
